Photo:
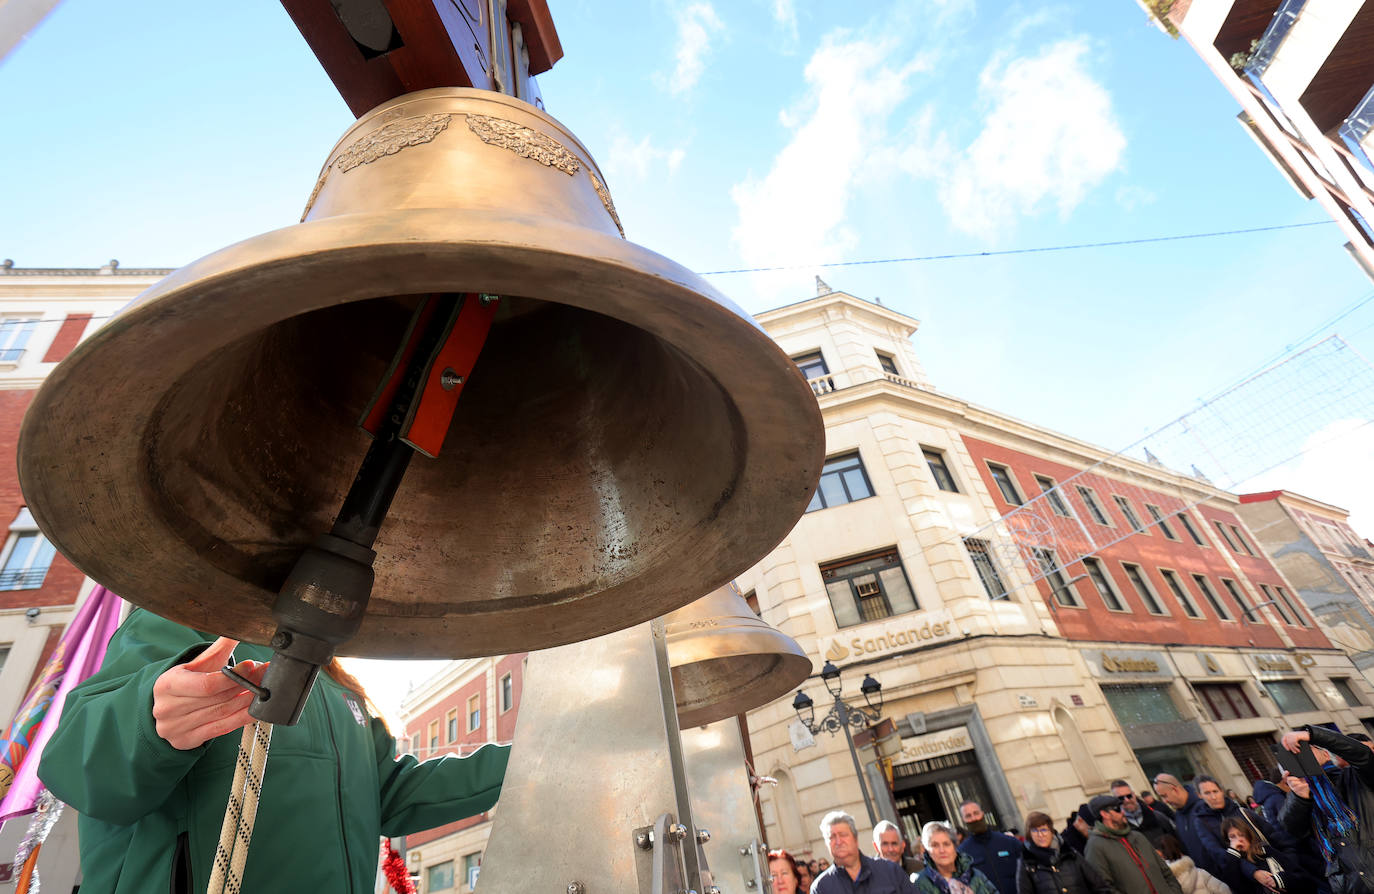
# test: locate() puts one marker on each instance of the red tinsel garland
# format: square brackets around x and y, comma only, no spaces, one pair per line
[397,876]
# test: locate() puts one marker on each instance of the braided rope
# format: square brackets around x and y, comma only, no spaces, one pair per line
[231,854]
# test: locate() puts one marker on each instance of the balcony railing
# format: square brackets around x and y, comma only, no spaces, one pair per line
[832,382]
[23,578]
[1279,26]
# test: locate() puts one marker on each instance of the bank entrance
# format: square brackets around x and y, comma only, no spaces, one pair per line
[933,789]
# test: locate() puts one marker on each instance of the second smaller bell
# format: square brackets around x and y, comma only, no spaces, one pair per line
[726,660]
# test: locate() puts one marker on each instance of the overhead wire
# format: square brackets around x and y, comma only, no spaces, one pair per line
[1076,246]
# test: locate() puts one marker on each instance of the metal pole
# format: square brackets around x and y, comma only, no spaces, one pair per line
[858,770]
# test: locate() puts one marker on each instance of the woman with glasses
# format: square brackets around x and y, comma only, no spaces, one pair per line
[1049,867]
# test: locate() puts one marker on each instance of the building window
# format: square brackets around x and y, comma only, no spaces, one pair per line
[507,693]
[415,744]
[1095,511]
[1158,516]
[1192,531]
[1104,586]
[1226,701]
[1290,696]
[814,370]
[1002,476]
[27,555]
[868,589]
[1226,535]
[1181,594]
[1142,705]
[452,724]
[474,713]
[987,569]
[1054,574]
[936,460]
[751,599]
[843,480]
[1246,610]
[887,362]
[433,737]
[1240,540]
[1282,609]
[1283,597]
[1207,591]
[14,335]
[1142,589]
[1347,692]
[1127,512]
[472,863]
[439,877]
[1051,492]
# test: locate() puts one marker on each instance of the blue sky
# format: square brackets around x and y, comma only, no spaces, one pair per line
[772,133]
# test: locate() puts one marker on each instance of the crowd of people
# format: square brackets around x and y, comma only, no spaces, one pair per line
[1311,833]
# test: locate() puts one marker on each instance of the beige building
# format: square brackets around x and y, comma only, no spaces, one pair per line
[1330,565]
[1303,75]
[1178,648]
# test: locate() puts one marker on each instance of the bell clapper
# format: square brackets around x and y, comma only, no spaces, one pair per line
[322,603]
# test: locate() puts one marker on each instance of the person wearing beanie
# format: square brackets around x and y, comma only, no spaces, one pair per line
[1077,829]
[1123,855]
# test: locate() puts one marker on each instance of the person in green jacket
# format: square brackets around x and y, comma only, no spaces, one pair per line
[145,752]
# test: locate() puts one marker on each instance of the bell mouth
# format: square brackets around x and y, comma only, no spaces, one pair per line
[628,440]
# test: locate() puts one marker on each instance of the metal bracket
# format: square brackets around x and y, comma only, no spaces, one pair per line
[754,868]
[667,874]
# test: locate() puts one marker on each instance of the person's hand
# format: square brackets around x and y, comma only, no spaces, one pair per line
[1266,878]
[1298,785]
[1293,738]
[194,703]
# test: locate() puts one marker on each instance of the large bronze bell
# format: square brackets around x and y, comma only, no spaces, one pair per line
[628,439]
[726,660]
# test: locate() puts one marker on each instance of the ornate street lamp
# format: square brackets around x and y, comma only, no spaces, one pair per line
[844,716]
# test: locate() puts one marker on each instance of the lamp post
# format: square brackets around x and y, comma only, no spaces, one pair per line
[844,716]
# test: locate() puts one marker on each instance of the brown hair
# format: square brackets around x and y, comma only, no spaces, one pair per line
[1171,848]
[1036,819]
[1235,822]
[336,672]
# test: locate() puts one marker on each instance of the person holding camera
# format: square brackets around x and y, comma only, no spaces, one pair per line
[1334,806]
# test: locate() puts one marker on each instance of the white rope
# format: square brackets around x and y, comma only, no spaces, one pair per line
[237,831]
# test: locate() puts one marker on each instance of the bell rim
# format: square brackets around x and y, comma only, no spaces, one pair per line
[438,235]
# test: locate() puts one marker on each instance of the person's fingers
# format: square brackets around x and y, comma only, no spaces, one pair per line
[184,682]
[213,658]
[186,729]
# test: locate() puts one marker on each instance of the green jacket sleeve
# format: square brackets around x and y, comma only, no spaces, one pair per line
[105,758]
[419,795]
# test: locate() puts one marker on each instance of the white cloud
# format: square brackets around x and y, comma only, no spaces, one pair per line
[1049,138]
[635,160]
[1331,468]
[1131,197]
[796,210]
[697,26]
[785,14]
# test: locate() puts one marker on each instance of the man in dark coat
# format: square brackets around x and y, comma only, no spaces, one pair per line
[995,853]
[1206,852]
[852,872]
[1346,839]
[1270,793]
[1148,798]
[1142,818]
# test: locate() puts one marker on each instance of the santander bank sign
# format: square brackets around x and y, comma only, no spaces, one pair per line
[899,634]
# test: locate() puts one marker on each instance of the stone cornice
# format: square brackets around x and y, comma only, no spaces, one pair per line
[85,271]
[975,420]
